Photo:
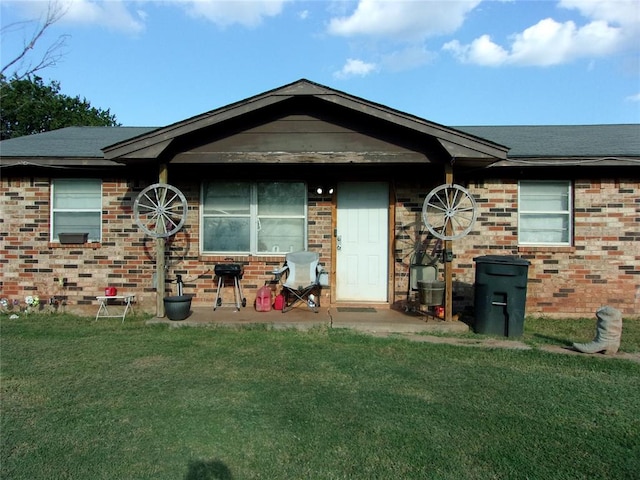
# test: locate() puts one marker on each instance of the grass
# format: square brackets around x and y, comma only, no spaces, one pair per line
[562,332]
[538,331]
[107,400]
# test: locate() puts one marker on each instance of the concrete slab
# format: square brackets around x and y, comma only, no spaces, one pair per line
[372,320]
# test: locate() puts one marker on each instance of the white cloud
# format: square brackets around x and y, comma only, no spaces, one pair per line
[407,22]
[112,14]
[402,20]
[129,16]
[619,11]
[613,26]
[248,13]
[633,98]
[355,68]
[482,51]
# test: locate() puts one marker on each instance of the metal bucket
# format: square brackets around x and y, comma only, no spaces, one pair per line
[431,293]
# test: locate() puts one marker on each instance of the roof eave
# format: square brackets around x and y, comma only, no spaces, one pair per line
[152,145]
[568,161]
[53,162]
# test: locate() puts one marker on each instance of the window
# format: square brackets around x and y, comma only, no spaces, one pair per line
[544,213]
[77,207]
[260,218]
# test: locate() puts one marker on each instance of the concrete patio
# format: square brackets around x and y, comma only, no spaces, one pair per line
[364,319]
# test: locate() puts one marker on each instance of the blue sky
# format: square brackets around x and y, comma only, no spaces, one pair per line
[471,62]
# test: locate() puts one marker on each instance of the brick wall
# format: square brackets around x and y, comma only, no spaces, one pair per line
[73,274]
[602,267]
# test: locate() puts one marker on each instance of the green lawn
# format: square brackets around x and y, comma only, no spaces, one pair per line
[538,331]
[105,400]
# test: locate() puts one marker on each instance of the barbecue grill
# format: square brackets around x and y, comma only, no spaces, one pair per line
[228,269]
[226,272]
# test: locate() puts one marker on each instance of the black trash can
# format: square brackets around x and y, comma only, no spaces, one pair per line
[500,295]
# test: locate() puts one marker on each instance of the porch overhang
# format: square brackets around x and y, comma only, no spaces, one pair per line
[307,123]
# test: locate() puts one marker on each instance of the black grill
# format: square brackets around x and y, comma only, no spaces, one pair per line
[228,269]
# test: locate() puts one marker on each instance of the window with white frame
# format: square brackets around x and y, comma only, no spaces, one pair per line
[544,212]
[253,217]
[76,207]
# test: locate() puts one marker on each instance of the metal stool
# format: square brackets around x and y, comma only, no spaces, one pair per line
[223,271]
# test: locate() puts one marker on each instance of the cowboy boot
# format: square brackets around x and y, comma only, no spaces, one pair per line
[608,333]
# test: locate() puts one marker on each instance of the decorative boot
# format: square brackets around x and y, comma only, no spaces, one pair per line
[608,333]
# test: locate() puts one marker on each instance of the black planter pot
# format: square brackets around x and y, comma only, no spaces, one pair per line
[69,238]
[177,307]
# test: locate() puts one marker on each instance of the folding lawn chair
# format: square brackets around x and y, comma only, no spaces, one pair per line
[302,279]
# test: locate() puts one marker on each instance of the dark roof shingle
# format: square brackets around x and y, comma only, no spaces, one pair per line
[537,141]
[563,140]
[69,142]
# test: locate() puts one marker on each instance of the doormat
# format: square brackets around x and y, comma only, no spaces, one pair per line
[357,309]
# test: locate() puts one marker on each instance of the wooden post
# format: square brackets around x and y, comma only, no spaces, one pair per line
[160,264]
[448,266]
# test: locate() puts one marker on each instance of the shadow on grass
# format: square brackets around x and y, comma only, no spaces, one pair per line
[549,338]
[208,470]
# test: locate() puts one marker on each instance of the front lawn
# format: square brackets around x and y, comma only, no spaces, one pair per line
[550,331]
[106,400]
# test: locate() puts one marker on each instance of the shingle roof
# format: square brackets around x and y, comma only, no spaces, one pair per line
[604,142]
[524,141]
[82,142]
[563,140]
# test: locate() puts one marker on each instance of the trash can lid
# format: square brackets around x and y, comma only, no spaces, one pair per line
[502,259]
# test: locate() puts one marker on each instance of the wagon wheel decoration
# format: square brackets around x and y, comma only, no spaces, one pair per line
[160,210]
[412,240]
[449,212]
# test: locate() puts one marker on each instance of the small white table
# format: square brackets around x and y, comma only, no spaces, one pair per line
[124,300]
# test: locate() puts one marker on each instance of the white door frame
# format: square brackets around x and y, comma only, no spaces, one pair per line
[387,275]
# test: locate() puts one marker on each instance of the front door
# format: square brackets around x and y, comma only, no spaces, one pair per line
[362,242]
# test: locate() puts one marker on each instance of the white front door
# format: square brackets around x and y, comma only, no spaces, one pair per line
[362,240]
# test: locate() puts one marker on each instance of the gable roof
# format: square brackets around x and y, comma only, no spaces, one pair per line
[456,143]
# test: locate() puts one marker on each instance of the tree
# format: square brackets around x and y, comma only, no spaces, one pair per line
[29,106]
[21,65]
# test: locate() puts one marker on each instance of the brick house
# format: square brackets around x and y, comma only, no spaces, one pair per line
[305,166]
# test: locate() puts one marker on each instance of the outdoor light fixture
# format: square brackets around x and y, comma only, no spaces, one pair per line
[320,189]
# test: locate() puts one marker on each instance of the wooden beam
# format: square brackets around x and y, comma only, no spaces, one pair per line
[163,176]
[236,157]
[448,266]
